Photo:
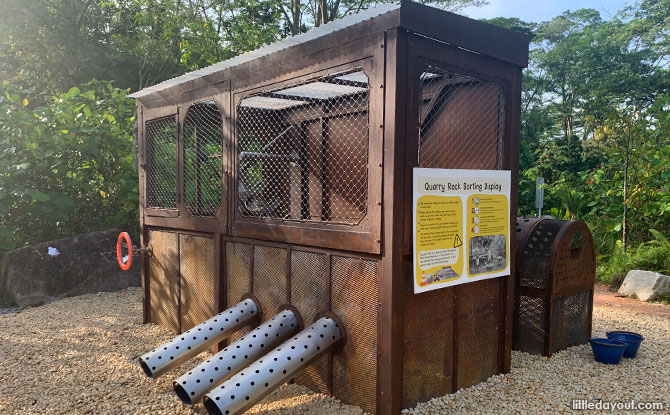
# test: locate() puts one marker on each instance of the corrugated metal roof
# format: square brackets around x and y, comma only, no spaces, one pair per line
[316,32]
[320,90]
[270,103]
[359,77]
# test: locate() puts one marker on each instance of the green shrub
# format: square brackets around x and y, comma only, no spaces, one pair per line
[653,255]
[66,167]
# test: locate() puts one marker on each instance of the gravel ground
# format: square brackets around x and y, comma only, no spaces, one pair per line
[78,356]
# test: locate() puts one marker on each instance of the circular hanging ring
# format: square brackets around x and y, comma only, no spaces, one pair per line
[124,265]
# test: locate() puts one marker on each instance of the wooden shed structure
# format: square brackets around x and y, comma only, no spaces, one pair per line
[286,172]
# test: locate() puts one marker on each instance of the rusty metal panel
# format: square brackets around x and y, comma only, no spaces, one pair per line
[196,267]
[164,279]
[238,276]
[555,267]
[269,278]
[532,325]
[570,321]
[355,296]
[536,252]
[427,346]
[477,315]
[309,295]
[574,264]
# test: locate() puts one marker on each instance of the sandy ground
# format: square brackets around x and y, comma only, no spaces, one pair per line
[78,356]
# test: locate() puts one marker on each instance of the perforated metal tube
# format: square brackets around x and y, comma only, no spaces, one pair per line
[252,384]
[189,344]
[192,386]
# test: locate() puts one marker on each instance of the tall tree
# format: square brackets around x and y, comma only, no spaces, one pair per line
[299,15]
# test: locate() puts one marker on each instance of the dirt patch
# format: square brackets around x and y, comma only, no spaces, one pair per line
[603,297]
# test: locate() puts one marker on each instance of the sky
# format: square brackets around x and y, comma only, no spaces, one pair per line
[541,10]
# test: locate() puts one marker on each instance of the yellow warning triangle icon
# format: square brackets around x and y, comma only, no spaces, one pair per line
[457,241]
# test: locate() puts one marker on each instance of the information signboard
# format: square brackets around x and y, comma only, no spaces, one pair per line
[461,226]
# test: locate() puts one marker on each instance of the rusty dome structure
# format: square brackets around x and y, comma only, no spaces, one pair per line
[282,178]
[555,277]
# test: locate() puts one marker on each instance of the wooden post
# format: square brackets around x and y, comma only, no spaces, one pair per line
[392,277]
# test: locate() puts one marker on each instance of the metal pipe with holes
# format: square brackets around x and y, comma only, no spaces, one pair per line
[262,377]
[193,341]
[192,386]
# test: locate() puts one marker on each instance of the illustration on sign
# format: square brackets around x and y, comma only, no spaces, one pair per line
[461,226]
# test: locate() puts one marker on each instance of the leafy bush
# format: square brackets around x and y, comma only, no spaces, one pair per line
[65,167]
[653,255]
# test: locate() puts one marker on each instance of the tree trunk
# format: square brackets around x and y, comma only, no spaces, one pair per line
[624,224]
[295,11]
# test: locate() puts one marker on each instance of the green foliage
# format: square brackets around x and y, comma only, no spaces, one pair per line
[65,167]
[662,299]
[6,301]
[653,255]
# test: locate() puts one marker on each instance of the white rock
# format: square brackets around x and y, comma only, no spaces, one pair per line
[646,285]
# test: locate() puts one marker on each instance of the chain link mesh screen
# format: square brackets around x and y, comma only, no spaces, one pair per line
[461,122]
[203,142]
[161,163]
[303,151]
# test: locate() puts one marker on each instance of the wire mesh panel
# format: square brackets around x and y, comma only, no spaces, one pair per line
[355,296]
[196,268]
[427,346]
[203,151]
[164,279]
[161,163]
[303,151]
[571,321]
[461,121]
[269,279]
[532,327]
[238,276]
[308,295]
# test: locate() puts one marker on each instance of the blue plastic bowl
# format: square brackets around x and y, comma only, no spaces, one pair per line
[608,351]
[632,339]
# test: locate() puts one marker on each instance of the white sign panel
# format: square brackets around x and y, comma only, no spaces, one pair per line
[461,226]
